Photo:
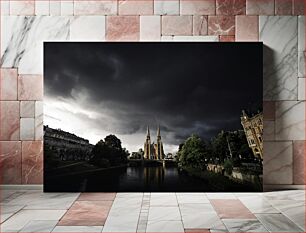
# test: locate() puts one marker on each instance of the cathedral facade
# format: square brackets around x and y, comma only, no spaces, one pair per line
[153,150]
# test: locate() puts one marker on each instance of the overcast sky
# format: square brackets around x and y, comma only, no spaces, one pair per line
[97,89]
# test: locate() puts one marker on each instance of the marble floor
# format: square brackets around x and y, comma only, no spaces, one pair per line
[35,211]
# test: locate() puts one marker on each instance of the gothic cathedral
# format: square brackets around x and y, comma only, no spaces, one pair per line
[153,150]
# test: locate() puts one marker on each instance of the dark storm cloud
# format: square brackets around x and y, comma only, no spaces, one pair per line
[186,87]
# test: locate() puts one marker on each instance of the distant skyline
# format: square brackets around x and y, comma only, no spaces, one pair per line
[95,89]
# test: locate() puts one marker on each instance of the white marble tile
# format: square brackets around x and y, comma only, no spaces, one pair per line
[8,210]
[27,130]
[165,200]
[164,213]
[301,46]
[207,220]
[66,7]
[129,195]
[240,225]
[39,117]
[258,205]
[55,8]
[164,7]
[42,7]
[74,229]
[196,38]
[294,195]
[165,226]
[290,120]
[150,28]
[20,219]
[4,194]
[22,7]
[221,196]
[87,28]
[22,40]
[27,108]
[277,223]
[186,198]
[301,89]
[279,35]
[39,226]
[96,7]
[277,165]
[269,131]
[5,7]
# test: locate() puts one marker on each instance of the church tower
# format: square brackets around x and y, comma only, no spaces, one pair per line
[147,145]
[159,151]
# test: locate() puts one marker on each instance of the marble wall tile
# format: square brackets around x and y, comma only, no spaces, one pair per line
[269,110]
[277,163]
[269,131]
[301,47]
[221,25]
[150,28]
[260,7]
[27,129]
[166,7]
[10,162]
[30,87]
[39,117]
[224,38]
[177,25]
[298,7]
[22,40]
[55,8]
[279,35]
[203,7]
[299,162]
[247,28]
[8,84]
[66,7]
[191,38]
[107,7]
[283,7]
[122,28]
[42,7]
[135,7]
[32,162]
[22,7]
[200,25]
[5,7]
[27,108]
[290,120]
[87,28]
[9,120]
[301,89]
[230,7]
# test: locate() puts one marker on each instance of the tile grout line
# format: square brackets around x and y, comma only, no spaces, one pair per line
[143,216]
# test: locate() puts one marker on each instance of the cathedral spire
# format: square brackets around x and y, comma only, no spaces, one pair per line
[148,131]
[158,131]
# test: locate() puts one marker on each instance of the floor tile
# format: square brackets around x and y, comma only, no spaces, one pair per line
[164,213]
[97,197]
[9,210]
[187,198]
[238,225]
[258,205]
[232,209]
[220,196]
[84,229]
[206,220]
[197,230]
[39,226]
[278,223]
[297,195]
[165,226]
[163,200]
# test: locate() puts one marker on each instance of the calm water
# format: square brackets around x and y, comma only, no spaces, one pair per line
[130,179]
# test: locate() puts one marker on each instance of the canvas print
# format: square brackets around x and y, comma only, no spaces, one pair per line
[153,117]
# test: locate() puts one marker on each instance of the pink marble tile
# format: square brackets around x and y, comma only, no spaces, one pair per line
[247,28]
[22,7]
[227,38]
[232,209]
[269,110]
[135,7]
[122,28]
[299,162]
[10,162]
[105,7]
[39,117]
[8,84]
[176,25]
[86,213]
[230,7]
[221,25]
[200,25]
[30,87]
[260,7]
[283,7]
[9,120]
[196,7]
[27,108]
[32,162]
[97,197]
[299,7]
